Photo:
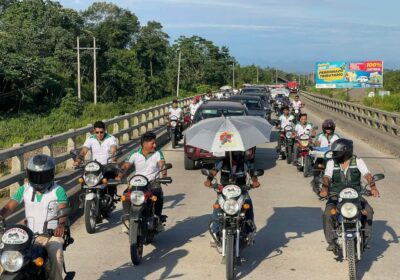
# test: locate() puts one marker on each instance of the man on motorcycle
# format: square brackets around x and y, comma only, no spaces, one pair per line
[238,174]
[102,145]
[174,110]
[147,162]
[328,135]
[345,170]
[303,127]
[39,194]
[284,120]
[193,107]
[296,104]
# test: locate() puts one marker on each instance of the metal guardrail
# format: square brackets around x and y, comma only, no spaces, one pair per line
[133,125]
[386,122]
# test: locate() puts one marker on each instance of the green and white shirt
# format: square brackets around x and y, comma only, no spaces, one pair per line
[146,166]
[43,207]
[325,142]
[101,150]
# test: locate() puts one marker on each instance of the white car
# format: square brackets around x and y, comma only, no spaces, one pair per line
[362,79]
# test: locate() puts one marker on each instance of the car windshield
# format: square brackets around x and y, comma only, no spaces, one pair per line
[252,104]
[213,113]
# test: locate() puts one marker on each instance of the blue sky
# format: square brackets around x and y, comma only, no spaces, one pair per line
[288,34]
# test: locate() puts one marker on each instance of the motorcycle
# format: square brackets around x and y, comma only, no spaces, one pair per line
[139,206]
[349,214]
[174,130]
[303,157]
[287,142]
[100,196]
[22,258]
[278,107]
[296,113]
[319,157]
[232,222]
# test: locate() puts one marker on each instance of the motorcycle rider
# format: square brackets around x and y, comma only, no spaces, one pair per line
[284,120]
[174,110]
[345,170]
[147,162]
[328,135]
[238,172]
[303,127]
[40,194]
[296,104]
[193,107]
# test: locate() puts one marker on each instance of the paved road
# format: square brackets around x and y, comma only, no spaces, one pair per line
[289,243]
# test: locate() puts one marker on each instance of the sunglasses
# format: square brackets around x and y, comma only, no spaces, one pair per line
[99,132]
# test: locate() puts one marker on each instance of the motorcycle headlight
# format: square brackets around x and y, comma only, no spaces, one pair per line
[173,123]
[349,210]
[11,261]
[91,179]
[288,134]
[304,143]
[231,207]
[137,198]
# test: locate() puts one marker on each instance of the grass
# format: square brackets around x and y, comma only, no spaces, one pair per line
[340,94]
[389,103]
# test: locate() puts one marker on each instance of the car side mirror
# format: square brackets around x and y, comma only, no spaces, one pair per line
[378,177]
[205,172]
[259,172]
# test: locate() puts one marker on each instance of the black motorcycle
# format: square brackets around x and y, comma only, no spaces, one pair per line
[139,207]
[175,130]
[100,194]
[22,258]
[233,234]
[350,232]
[287,142]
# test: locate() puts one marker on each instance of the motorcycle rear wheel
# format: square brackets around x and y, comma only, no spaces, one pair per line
[90,216]
[230,257]
[136,242]
[351,258]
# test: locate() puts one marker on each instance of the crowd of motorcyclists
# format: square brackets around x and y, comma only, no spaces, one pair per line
[298,142]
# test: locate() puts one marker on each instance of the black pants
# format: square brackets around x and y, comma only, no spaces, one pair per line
[159,204]
[330,220]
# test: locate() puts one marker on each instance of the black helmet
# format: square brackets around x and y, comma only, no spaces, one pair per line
[40,171]
[342,150]
[328,124]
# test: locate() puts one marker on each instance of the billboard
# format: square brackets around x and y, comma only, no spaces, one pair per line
[340,74]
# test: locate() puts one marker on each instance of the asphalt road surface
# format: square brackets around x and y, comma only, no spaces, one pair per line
[289,244]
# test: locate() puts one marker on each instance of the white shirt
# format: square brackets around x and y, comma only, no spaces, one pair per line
[193,108]
[175,112]
[101,150]
[296,104]
[362,167]
[285,121]
[300,130]
[149,166]
[324,142]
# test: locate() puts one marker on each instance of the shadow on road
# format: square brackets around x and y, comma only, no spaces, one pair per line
[378,247]
[284,225]
[265,158]
[174,199]
[166,253]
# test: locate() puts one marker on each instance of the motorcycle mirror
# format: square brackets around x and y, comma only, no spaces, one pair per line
[328,155]
[205,172]
[378,177]
[167,166]
[315,127]
[259,172]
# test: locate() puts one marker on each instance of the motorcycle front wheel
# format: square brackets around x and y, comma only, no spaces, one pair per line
[230,257]
[306,166]
[173,139]
[351,257]
[90,216]
[289,155]
[136,242]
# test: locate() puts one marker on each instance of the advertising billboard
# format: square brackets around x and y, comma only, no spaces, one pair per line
[340,74]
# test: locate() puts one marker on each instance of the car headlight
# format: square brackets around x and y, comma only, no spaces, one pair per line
[137,198]
[11,261]
[349,210]
[91,179]
[231,207]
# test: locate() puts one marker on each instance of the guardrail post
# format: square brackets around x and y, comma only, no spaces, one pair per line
[17,166]
[156,120]
[125,136]
[71,145]
[88,134]
[150,118]
[116,130]
[143,128]
[48,149]
[135,132]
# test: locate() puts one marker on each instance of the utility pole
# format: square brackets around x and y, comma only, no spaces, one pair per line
[276,76]
[94,72]
[233,75]
[257,74]
[79,68]
[78,48]
[179,71]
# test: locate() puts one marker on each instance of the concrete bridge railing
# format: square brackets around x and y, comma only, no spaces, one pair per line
[125,127]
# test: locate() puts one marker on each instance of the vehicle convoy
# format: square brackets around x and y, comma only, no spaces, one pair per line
[99,185]
[22,257]
[175,128]
[213,109]
[255,105]
[139,207]
[234,233]
[349,215]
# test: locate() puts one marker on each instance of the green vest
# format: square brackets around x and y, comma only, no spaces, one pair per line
[351,179]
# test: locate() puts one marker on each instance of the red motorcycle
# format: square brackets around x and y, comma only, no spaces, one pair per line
[303,153]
